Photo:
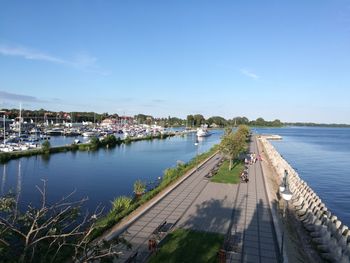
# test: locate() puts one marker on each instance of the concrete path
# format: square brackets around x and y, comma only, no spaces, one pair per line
[212,210]
[171,208]
[241,212]
[252,236]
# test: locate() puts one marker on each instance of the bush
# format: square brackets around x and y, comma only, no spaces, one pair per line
[170,175]
[95,142]
[46,146]
[139,187]
[121,203]
[110,140]
[74,147]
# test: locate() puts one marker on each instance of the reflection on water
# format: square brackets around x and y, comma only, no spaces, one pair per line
[321,156]
[3,180]
[100,175]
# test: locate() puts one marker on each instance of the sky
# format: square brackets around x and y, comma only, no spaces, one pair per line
[287,60]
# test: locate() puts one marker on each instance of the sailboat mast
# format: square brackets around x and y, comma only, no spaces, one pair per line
[20,120]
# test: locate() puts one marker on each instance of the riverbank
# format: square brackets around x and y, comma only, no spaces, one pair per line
[7,156]
[115,221]
[306,215]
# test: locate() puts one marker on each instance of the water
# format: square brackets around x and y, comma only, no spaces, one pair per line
[321,156]
[101,175]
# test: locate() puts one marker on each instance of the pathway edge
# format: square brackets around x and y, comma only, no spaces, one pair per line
[273,211]
[124,224]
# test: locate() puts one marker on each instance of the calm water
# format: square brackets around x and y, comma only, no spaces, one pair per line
[320,155]
[322,158]
[101,175]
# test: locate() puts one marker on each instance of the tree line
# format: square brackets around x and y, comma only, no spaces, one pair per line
[218,121]
[192,120]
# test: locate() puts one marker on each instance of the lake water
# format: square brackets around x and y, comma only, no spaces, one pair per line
[320,155]
[101,175]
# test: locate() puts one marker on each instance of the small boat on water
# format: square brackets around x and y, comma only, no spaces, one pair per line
[89,134]
[203,132]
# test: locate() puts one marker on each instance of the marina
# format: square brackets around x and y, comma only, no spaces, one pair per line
[101,175]
[104,174]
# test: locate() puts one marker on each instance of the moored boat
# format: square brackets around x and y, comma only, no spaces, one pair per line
[203,132]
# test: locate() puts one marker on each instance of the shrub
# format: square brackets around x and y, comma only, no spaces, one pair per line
[46,146]
[110,140]
[121,203]
[139,187]
[95,142]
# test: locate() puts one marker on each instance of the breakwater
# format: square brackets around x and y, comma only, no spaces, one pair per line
[329,235]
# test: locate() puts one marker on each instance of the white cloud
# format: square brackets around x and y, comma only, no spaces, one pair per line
[249,74]
[19,97]
[29,54]
[82,61]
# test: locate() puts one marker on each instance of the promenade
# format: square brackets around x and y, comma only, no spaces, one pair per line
[241,212]
[252,236]
[170,209]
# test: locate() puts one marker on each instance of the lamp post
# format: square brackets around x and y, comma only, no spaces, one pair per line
[287,196]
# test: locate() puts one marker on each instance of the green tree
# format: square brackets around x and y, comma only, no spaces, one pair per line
[233,144]
[46,146]
[95,142]
[190,120]
[198,120]
[220,121]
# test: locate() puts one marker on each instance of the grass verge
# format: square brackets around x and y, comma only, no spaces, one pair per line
[228,177]
[170,176]
[189,246]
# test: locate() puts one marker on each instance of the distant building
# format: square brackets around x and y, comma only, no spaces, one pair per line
[126,120]
[109,122]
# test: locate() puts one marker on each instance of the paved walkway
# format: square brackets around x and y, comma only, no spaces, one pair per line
[240,211]
[252,236]
[171,208]
[212,210]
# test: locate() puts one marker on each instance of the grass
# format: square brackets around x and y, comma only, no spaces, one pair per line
[170,176]
[228,177]
[189,246]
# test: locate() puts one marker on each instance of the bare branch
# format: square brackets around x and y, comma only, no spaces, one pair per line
[11,227]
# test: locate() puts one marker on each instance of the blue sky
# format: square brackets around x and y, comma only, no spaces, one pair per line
[269,59]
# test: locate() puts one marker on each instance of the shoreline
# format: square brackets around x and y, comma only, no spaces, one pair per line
[306,214]
[8,156]
[138,212]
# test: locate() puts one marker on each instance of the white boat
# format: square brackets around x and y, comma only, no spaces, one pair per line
[203,132]
[54,131]
[89,134]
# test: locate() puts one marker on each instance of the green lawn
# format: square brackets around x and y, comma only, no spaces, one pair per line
[189,246]
[228,177]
